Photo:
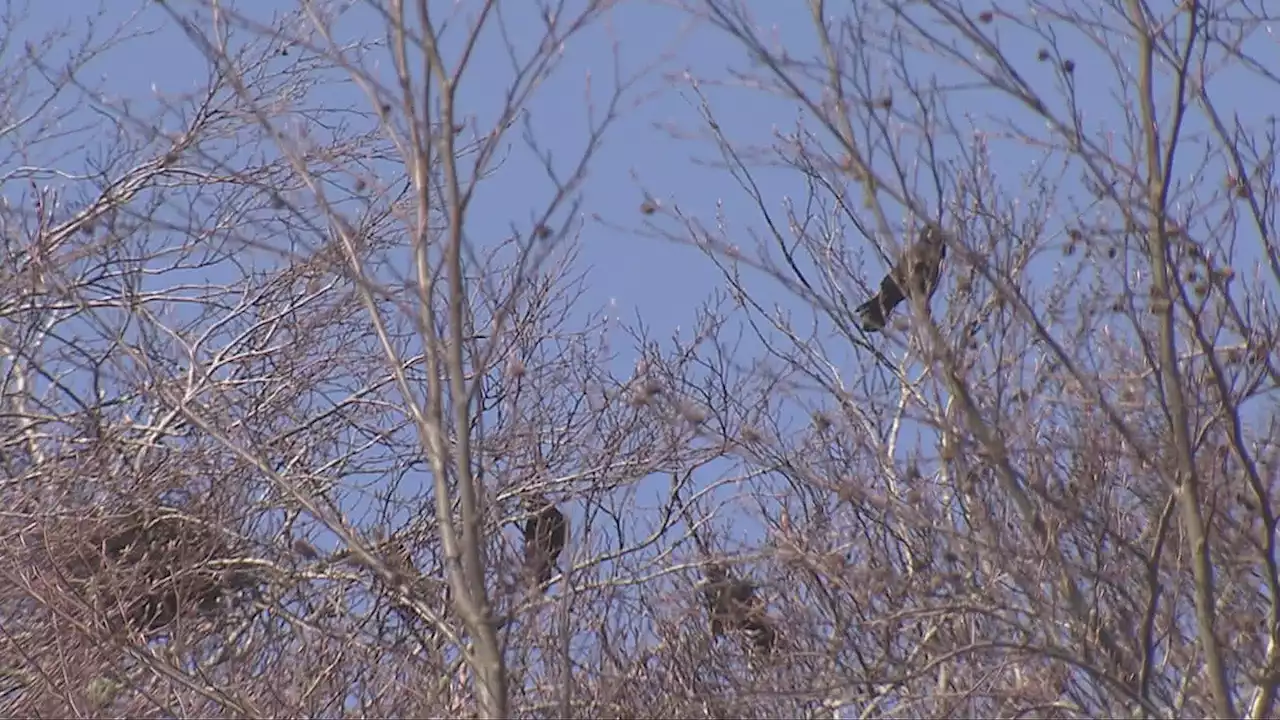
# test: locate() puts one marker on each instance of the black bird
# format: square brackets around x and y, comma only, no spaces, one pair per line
[733,605]
[545,532]
[917,271]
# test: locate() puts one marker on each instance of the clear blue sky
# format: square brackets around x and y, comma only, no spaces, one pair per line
[663,282]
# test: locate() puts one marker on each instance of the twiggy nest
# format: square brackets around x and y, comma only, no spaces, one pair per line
[146,568]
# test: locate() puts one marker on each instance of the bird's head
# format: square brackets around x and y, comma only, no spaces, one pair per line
[536,502]
[934,236]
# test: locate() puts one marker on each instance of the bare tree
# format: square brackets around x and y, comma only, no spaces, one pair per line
[216,363]
[1053,494]
[278,421]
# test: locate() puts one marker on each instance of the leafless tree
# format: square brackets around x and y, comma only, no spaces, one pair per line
[254,468]
[1054,495]
[275,414]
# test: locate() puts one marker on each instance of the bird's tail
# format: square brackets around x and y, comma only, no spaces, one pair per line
[762,634]
[540,570]
[871,314]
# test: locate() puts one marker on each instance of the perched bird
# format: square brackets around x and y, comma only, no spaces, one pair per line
[733,605]
[545,532]
[917,272]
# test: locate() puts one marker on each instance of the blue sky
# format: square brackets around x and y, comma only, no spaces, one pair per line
[661,281]
[664,282]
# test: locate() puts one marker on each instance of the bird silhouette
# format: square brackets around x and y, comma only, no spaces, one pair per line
[733,605]
[545,532]
[916,272]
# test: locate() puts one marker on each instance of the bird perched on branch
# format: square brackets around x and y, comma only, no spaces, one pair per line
[916,273]
[545,532]
[733,605]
